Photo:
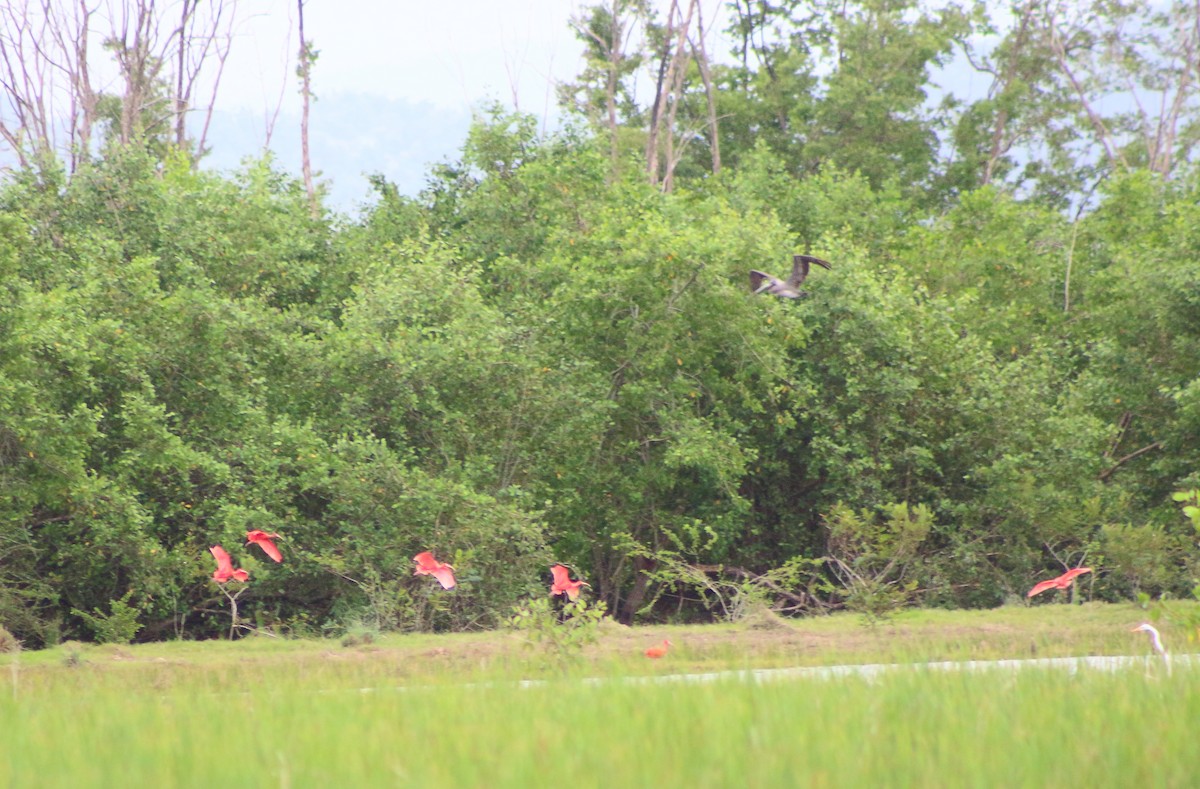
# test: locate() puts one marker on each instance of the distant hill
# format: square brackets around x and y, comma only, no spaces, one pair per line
[353,135]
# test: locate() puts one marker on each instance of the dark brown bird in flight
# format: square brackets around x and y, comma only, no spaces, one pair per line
[790,288]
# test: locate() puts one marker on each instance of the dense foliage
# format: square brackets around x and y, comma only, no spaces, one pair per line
[532,361]
[546,356]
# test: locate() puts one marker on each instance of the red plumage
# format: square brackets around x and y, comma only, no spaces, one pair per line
[225,569]
[563,583]
[263,540]
[427,565]
[1063,581]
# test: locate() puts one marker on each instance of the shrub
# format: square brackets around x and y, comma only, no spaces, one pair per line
[8,642]
[119,626]
[559,636]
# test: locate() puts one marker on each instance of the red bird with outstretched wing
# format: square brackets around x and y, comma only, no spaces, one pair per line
[427,565]
[563,583]
[263,540]
[225,569]
[1071,575]
[1063,581]
[1042,586]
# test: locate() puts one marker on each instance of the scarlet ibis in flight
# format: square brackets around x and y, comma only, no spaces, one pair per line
[563,583]
[658,651]
[790,288]
[427,565]
[263,540]
[225,569]
[1063,581]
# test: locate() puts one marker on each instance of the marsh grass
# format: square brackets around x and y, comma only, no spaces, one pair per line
[448,711]
[1035,728]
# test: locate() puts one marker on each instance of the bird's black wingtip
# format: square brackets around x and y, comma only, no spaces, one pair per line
[812,259]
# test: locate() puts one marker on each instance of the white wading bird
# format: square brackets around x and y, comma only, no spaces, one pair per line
[1155,641]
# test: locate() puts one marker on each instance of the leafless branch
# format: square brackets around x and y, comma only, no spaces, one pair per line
[307,55]
[1108,472]
[1101,128]
[710,94]
[669,89]
[49,103]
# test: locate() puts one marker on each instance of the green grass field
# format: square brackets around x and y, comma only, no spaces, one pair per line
[448,710]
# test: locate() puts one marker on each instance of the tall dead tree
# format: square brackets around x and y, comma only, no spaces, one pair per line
[43,59]
[682,44]
[308,56]
[49,106]
[1170,67]
[671,74]
[1146,54]
[1062,48]
[131,44]
[700,53]
[1011,76]
[611,39]
[602,91]
[200,38]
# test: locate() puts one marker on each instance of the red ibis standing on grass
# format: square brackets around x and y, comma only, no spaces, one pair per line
[427,565]
[656,652]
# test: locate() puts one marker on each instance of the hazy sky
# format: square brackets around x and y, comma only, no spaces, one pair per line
[396,81]
[449,54]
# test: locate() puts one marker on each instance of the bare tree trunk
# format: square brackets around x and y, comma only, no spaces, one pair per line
[676,92]
[614,51]
[139,69]
[24,123]
[637,595]
[700,53]
[745,19]
[85,95]
[304,69]
[180,101]
[1000,142]
[1162,147]
[200,38]
[1102,132]
[659,98]
[610,89]
[269,120]
[672,83]
[46,80]
[223,45]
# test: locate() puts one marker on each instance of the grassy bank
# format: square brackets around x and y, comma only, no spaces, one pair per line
[443,710]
